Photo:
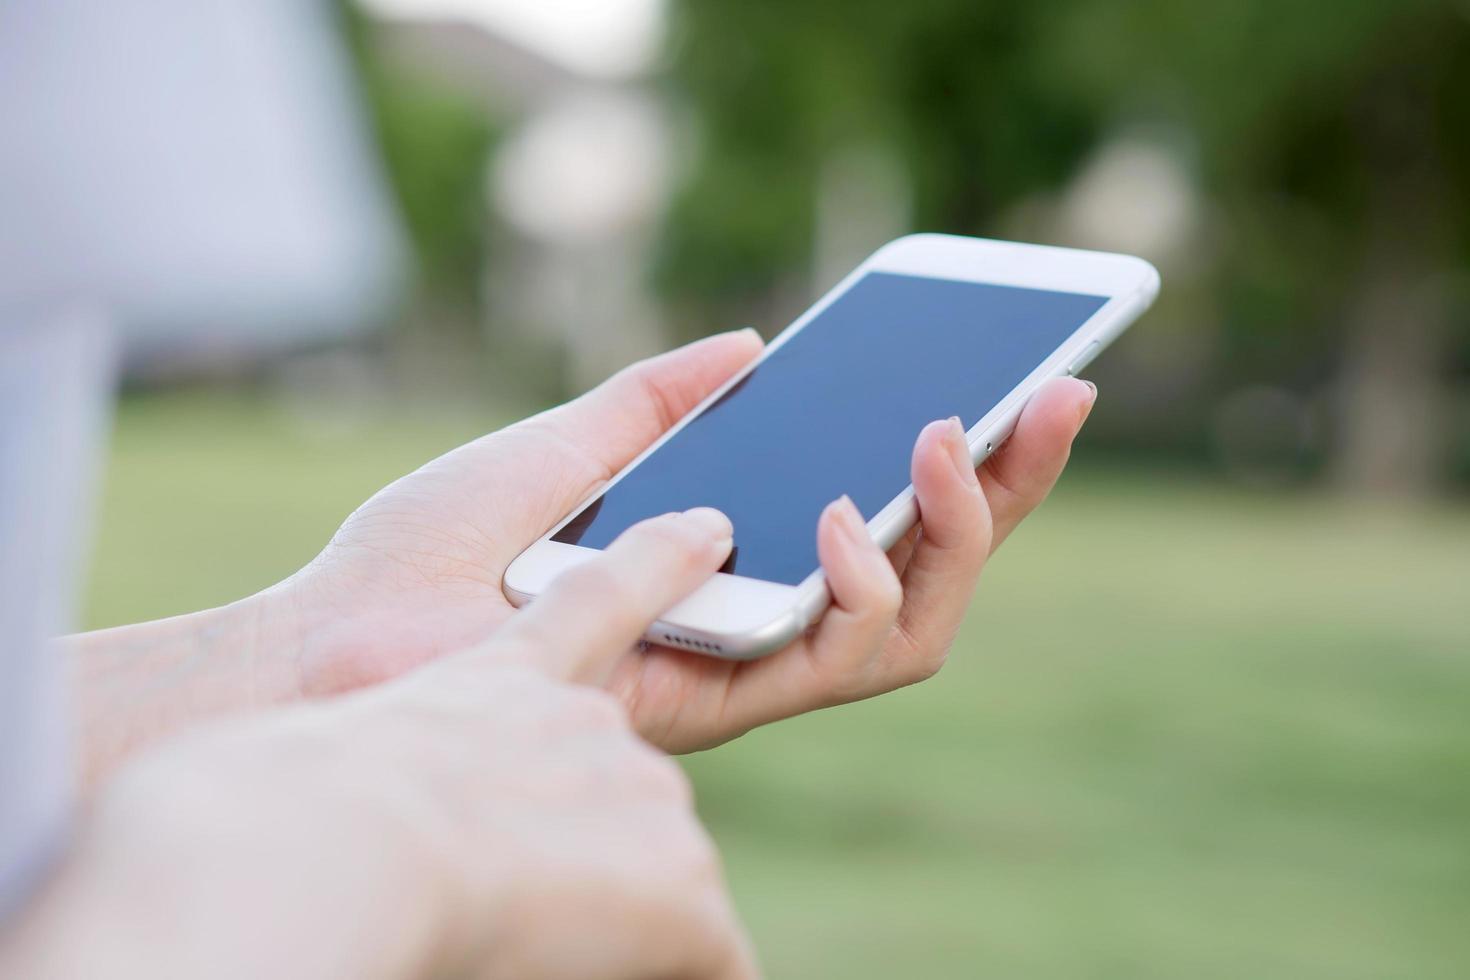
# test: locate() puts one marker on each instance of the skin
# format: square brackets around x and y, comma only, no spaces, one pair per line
[387,702]
[415,574]
[371,836]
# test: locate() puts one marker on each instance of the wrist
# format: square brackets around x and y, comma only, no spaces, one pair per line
[272,628]
[132,685]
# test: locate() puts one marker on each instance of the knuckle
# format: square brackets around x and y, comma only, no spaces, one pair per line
[661,777]
[1017,486]
[926,667]
[650,775]
[921,657]
[596,578]
[589,708]
[589,576]
[654,385]
[701,856]
[672,538]
[887,599]
[689,853]
[970,536]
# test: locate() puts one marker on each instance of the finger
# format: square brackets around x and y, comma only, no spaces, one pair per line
[834,664]
[595,611]
[621,417]
[940,577]
[865,596]
[721,949]
[1018,477]
[903,550]
[831,666]
[689,931]
[708,940]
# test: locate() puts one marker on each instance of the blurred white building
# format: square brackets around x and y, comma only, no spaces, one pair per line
[575,191]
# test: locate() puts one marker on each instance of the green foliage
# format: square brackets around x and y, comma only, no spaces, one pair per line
[1330,140]
[434,143]
[1298,110]
[1187,733]
[952,86]
[1331,133]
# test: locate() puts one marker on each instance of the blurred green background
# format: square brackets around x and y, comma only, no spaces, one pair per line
[1189,730]
[1209,715]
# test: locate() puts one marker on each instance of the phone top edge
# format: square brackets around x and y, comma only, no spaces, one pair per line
[939,239]
[1011,263]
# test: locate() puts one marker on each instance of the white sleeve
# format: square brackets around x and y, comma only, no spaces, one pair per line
[55,393]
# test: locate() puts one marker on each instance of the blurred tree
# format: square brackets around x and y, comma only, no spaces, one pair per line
[1334,138]
[953,87]
[434,143]
[1336,142]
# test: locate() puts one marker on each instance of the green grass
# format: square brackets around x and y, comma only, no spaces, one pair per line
[1187,731]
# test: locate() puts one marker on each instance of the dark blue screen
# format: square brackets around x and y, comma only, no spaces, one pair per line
[836,410]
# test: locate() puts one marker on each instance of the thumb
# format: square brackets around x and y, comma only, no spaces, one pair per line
[592,613]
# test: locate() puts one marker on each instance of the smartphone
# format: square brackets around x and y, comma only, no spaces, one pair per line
[928,327]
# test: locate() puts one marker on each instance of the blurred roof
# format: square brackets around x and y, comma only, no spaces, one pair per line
[523,47]
[470,59]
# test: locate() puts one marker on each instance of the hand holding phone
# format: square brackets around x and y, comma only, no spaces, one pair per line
[893,617]
[418,570]
[930,326]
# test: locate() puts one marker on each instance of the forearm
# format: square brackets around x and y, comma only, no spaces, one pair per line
[134,684]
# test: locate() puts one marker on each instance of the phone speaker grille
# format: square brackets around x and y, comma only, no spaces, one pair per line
[689,643]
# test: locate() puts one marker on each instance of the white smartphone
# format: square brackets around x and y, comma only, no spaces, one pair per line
[928,327]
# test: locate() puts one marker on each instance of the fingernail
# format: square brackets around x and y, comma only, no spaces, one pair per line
[752,331]
[958,444]
[1091,400]
[710,522]
[850,519]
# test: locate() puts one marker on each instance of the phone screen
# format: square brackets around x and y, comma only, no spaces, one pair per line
[836,409]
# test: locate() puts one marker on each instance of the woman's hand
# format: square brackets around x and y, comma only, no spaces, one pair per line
[893,617]
[415,574]
[483,817]
[416,571]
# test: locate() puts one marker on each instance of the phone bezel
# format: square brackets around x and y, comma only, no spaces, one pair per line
[739,617]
